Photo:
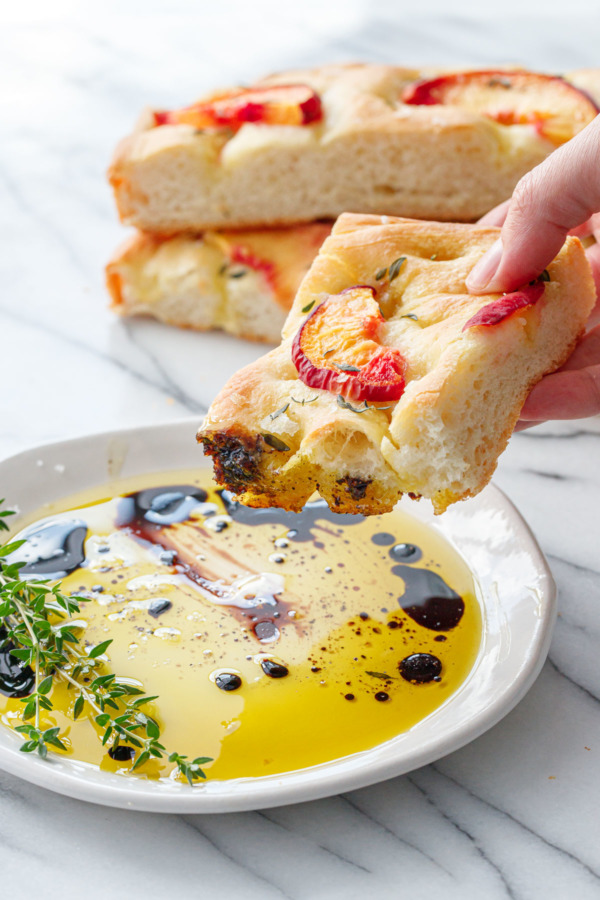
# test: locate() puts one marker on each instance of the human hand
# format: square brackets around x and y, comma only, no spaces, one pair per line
[559,197]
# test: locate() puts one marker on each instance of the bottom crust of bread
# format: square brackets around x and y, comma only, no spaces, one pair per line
[248,466]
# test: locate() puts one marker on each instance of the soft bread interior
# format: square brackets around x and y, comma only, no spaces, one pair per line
[242,282]
[370,152]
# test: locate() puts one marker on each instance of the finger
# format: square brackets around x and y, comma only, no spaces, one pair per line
[586,353]
[588,228]
[593,257]
[570,394]
[595,226]
[582,231]
[523,424]
[496,216]
[555,197]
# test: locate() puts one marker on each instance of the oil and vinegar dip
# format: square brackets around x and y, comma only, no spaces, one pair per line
[274,640]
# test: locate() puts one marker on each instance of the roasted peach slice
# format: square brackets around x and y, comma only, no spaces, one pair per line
[555,108]
[337,349]
[282,104]
[505,306]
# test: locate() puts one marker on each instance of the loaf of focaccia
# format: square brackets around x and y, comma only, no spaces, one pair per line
[241,282]
[390,377]
[315,143]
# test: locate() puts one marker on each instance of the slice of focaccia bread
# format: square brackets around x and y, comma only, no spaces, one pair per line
[390,377]
[242,282]
[314,143]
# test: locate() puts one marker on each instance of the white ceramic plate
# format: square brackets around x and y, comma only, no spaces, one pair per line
[516,592]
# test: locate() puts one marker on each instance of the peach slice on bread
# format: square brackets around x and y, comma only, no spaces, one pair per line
[555,108]
[495,312]
[338,349]
[282,104]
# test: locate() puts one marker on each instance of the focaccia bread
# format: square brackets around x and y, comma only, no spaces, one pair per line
[241,282]
[390,377]
[315,143]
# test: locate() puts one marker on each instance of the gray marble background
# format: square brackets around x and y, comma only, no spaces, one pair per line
[515,814]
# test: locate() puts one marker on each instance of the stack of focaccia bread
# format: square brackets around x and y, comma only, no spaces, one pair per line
[234,195]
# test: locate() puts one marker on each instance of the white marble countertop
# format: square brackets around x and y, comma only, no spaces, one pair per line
[515,813]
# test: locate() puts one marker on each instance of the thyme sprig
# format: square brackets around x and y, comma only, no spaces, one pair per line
[36,629]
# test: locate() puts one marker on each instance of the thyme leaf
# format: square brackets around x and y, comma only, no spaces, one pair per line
[410,316]
[381,675]
[275,442]
[545,276]
[396,266]
[341,401]
[309,306]
[346,368]
[304,400]
[279,412]
[381,273]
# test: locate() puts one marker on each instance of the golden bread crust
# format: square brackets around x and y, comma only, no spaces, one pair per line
[464,389]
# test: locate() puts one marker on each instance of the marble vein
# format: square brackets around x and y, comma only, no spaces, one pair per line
[536,834]
[38,219]
[577,566]
[168,384]
[264,882]
[166,387]
[587,693]
[393,834]
[341,857]
[473,839]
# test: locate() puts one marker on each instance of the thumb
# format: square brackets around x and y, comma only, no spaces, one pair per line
[548,202]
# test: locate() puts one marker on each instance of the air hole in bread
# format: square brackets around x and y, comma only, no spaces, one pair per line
[362,458]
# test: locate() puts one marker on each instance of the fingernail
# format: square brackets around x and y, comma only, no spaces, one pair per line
[482,273]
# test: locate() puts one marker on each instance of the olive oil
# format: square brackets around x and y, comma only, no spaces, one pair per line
[274,640]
